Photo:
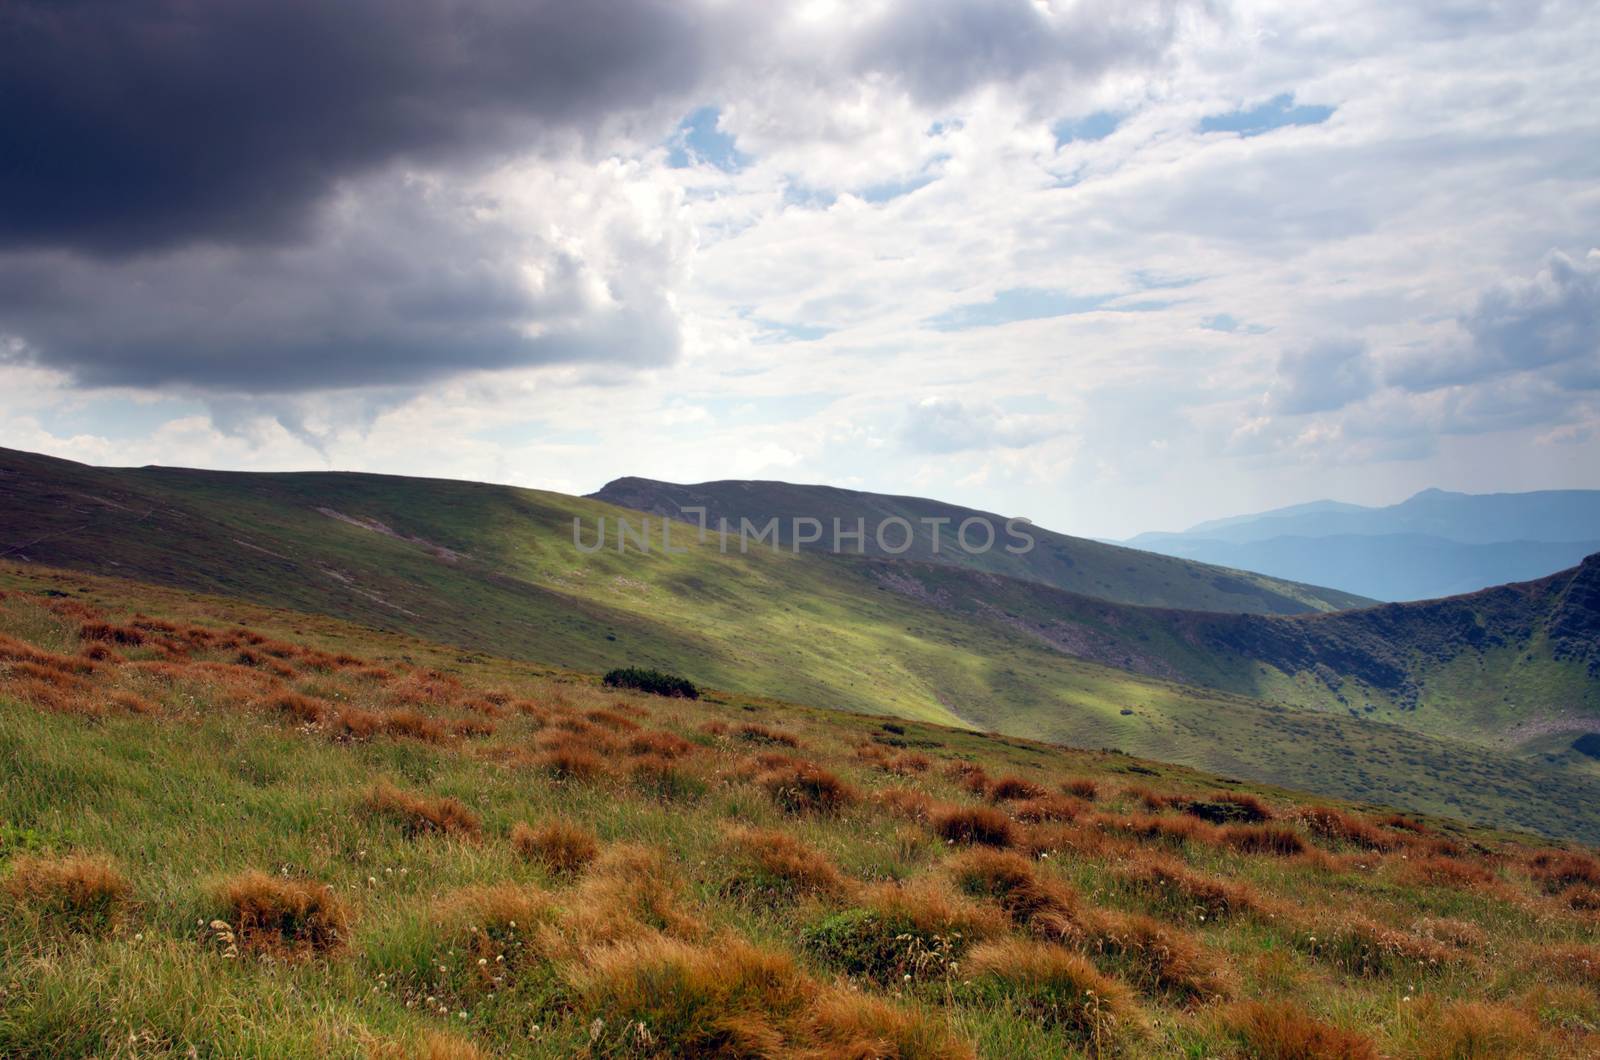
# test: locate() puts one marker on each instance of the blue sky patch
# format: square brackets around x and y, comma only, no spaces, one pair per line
[1096,126]
[1229,323]
[1275,113]
[699,141]
[1013,304]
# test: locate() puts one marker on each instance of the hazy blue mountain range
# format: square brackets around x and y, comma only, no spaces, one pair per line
[1433,544]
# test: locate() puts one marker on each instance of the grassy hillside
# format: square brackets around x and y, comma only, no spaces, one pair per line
[1074,564]
[228,830]
[494,569]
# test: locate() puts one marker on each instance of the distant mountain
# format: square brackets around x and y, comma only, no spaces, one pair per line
[1077,565]
[1432,545]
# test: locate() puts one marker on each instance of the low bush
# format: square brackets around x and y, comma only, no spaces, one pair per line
[655,682]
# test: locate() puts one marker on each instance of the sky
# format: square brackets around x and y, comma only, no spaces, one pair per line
[1110,265]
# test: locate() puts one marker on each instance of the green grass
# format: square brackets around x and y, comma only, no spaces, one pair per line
[210,786]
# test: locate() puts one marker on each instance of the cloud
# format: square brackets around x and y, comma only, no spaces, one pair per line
[408,281]
[1549,324]
[946,425]
[1323,376]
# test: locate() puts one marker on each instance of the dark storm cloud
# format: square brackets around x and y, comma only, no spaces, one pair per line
[274,195]
[134,124]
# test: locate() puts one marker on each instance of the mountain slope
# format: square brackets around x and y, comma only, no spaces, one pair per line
[1074,564]
[494,569]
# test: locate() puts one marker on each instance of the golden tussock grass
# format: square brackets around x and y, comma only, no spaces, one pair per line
[1282,1030]
[1081,788]
[659,743]
[570,760]
[562,847]
[1013,788]
[432,1045]
[1033,900]
[934,908]
[968,825]
[1480,1030]
[905,803]
[761,734]
[1572,962]
[1556,870]
[775,863]
[1274,839]
[1329,823]
[74,893]
[1447,872]
[422,814]
[1151,827]
[805,787]
[1173,887]
[1363,947]
[1154,957]
[611,719]
[1059,988]
[850,1025]
[284,917]
[629,892]
[1048,808]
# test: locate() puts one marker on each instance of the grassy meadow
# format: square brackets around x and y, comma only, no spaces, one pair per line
[230,830]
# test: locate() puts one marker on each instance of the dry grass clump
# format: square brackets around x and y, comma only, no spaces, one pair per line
[1014,788]
[1582,899]
[124,636]
[1573,962]
[1158,828]
[75,893]
[569,758]
[905,803]
[304,709]
[1044,905]
[431,1046]
[1275,839]
[660,744]
[660,996]
[1282,1030]
[1048,808]
[1557,870]
[1365,948]
[1081,788]
[1329,823]
[283,917]
[775,864]
[1173,887]
[805,787]
[610,719]
[1461,934]
[420,814]
[1057,987]
[974,825]
[1446,872]
[908,764]
[1479,1030]
[562,847]
[857,1026]
[1155,958]
[629,892]
[760,734]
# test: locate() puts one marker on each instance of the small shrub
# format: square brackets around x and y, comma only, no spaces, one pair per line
[1282,1030]
[1057,987]
[655,682]
[278,916]
[974,825]
[1229,807]
[805,787]
[562,847]
[419,814]
[81,894]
